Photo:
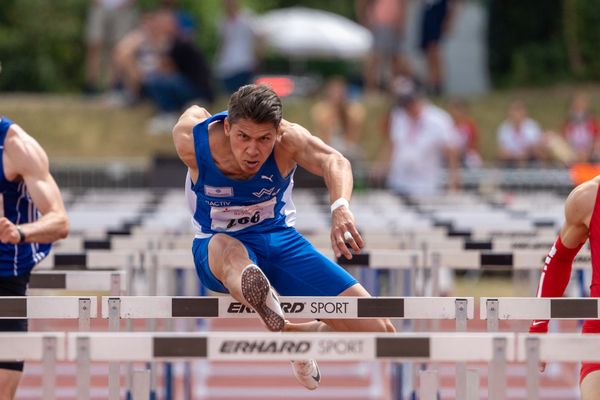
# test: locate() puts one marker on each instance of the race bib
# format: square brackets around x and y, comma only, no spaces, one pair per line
[232,219]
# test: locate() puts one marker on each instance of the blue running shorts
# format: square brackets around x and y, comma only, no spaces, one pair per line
[292,265]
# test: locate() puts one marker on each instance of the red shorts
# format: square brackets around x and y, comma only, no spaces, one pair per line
[592,326]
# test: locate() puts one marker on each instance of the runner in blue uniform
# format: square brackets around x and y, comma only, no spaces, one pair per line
[32,216]
[241,165]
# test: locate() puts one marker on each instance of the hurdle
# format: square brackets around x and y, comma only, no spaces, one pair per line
[110,281]
[91,259]
[565,347]
[337,307]
[493,309]
[525,260]
[543,308]
[47,347]
[76,280]
[495,348]
[50,307]
[375,259]
[334,307]
[45,307]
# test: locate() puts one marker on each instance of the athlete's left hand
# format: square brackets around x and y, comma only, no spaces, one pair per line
[342,221]
[8,232]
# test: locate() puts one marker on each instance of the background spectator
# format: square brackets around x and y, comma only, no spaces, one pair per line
[519,137]
[581,129]
[435,22]
[420,137]
[108,21]
[237,55]
[185,20]
[136,56]
[338,121]
[468,133]
[157,62]
[183,76]
[385,19]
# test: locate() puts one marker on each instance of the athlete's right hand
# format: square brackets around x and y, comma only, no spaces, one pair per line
[342,221]
[8,232]
[539,326]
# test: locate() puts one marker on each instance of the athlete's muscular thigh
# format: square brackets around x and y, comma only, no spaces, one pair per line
[226,255]
[590,386]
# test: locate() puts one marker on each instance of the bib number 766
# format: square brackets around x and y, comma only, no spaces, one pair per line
[255,219]
[235,218]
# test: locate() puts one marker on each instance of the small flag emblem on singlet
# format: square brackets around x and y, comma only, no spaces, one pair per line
[226,191]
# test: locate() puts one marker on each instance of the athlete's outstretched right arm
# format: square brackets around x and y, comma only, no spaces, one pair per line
[558,264]
[183,136]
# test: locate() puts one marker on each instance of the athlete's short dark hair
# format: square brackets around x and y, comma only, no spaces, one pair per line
[257,103]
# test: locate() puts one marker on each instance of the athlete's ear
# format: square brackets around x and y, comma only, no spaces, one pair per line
[226,126]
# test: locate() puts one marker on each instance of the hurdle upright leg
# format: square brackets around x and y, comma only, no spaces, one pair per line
[84,314]
[532,348]
[492,315]
[83,368]
[461,367]
[428,385]
[49,365]
[114,370]
[497,371]
[141,385]
[472,385]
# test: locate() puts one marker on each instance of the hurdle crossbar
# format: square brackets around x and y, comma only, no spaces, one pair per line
[337,307]
[257,346]
[78,280]
[518,260]
[92,259]
[542,308]
[48,307]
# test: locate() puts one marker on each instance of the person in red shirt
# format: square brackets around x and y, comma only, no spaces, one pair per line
[581,129]
[582,221]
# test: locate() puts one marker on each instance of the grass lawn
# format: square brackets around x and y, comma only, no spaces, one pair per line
[74,127]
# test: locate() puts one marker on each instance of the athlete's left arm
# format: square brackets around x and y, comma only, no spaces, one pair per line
[315,156]
[27,158]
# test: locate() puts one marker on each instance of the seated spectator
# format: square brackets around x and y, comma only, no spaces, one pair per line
[519,138]
[134,57]
[468,134]
[581,129]
[167,68]
[184,76]
[338,121]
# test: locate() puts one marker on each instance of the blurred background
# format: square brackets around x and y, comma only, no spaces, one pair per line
[495,101]
[104,80]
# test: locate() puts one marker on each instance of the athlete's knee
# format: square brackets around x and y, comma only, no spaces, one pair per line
[382,325]
[389,327]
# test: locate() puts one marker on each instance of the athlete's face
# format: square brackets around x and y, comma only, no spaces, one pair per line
[251,143]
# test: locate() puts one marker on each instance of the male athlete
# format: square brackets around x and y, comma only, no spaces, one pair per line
[26,190]
[582,221]
[240,176]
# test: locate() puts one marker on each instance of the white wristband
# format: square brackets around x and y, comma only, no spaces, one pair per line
[338,203]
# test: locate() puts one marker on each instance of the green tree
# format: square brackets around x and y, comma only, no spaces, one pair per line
[41,47]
